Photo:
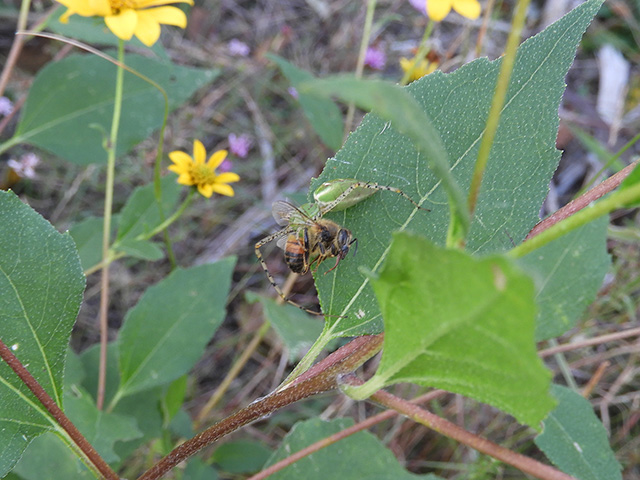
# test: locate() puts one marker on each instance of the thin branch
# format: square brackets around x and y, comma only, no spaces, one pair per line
[592,341]
[323,378]
[451,430]
[55,411]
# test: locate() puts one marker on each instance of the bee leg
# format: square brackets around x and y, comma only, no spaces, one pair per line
[272,280]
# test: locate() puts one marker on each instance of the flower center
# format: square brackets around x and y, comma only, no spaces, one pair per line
[203,175]
[118,5]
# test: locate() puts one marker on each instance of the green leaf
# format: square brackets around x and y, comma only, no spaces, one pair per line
[575,440]
[294,327]
[323,114]
[166,332]
[199,470]
[101,429]
[462,324]
[174,398]
[345,459]
[141,214]
[88,238]
[73,99]
[242,456]
[631,180]
[41,285]
[47,454]
[523,159]
[568,274]
[143,249]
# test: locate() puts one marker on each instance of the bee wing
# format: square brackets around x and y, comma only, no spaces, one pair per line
[282,242]
[286,213]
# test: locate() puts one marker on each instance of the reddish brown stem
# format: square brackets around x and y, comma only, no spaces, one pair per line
[440,425]
[583,200]
[55,411]
[323,378]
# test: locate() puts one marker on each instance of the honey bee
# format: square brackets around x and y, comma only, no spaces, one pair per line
[307,238]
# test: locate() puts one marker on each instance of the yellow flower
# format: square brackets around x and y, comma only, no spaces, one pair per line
[438,9]
[195,171]
[421,68]
[126,18]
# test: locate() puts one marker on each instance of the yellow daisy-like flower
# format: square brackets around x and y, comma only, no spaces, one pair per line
[438,9]
[126,18]
[195,171]
[421,68]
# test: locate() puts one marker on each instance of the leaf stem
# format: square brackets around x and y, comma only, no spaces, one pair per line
[364,43]
[617,200]
[322,377]
[440,425]
[55,411]
[106,228]
[423,49]
[499,96]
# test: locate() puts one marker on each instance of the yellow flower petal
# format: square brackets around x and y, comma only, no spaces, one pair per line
[122,25]
[199,152]
[223,189]
[206,190]
[165,16]
[147,29]
[228,177]
[438,9]
[80,7]
[101,8]
[185,179]
[155,3]
[216,159]
[467,8]
[180,158]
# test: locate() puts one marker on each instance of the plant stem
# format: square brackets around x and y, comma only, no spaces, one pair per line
[320,378]
[52,407]
[106,232]
[499,96]
[440,425]
[423,49]
[366,37]
[617,200]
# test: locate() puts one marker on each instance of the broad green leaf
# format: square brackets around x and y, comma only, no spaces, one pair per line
[88,238]
[297,329]
[101,429]
[198,470]
[41,285]
[358,456]
[575,440]
[47,454]
[166,332]
[174,398]
[143,249]
[73,99]
[522,162]
[323,114]
[462,324]
[143,406]
[241,456]
[141,214]
[568,274]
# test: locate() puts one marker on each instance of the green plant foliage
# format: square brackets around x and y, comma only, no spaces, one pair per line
[198,470]
[522,162]
[575,440]
[166,332]
[631,180]
[141,214]
[345,459]
[87,235]
[41,285]
[142,249]
[323,114]
[242,456]
[462,324]
[568,274]
[295,328]
[73,99]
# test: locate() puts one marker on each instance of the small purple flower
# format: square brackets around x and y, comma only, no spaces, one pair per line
[375,58]
[6,106]
[25,167]
[239,145]
[238,48]
[420,5]
[225,166]
[293,92]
